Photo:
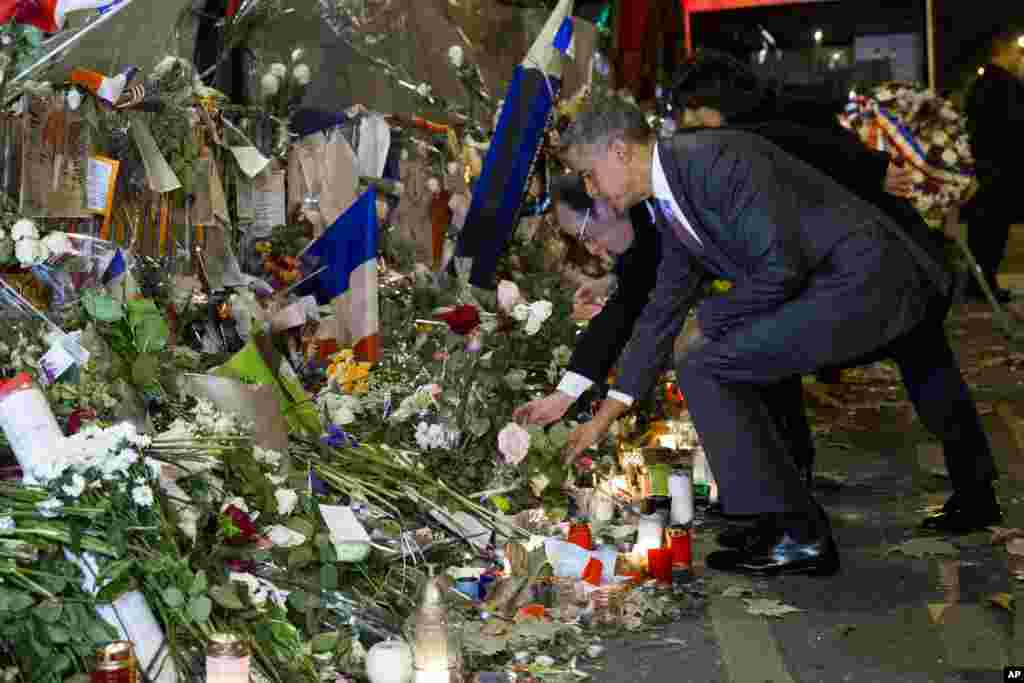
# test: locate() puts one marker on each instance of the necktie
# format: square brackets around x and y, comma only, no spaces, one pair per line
[687,237]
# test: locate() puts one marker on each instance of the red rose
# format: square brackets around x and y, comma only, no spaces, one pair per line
[78,418]
[462,319]
[243,522]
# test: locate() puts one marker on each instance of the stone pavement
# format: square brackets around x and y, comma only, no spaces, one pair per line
[905,607]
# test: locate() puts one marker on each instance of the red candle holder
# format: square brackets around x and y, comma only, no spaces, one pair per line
[659,564]
[579,534]
[680,546]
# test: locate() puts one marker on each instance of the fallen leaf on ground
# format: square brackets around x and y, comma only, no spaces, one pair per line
[919,547]
[768,608]
[1004,600]
[736,592]
[936,610]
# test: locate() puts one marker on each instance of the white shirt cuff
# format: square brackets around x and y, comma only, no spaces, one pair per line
[574,384]
[621,397]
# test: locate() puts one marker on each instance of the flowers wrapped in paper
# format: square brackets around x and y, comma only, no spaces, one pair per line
[925,131]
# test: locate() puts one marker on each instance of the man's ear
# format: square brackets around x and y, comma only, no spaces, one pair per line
[620,149]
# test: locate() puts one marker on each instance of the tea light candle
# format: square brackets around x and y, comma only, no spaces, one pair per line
[389,661]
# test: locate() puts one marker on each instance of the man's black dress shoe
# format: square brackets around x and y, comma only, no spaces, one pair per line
[966,512]
[780,555]
[739,537]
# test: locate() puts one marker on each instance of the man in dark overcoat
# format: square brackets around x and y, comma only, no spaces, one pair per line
[820,276]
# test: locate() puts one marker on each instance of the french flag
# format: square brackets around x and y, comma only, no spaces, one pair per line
[344,260]
[117,278]
[46,15]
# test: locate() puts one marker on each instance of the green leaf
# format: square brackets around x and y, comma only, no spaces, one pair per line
[58,634]
[200,608]
[102,307]
[300,557]
[328,555]
[480,426]
[174,597]
[140,308]
[329,577]
[151,334]
[99,632]
[199,584]
[145,369]
[325,642]
[227,597]
[297,600]
[302,526]
[559,436]
[49,612]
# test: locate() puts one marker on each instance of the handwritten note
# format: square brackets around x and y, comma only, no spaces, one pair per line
[268,203]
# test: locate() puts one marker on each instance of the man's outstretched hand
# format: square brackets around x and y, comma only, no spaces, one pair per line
[544,411]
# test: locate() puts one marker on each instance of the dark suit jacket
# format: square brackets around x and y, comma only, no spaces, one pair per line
[995,121]
[599,346]
[768,221]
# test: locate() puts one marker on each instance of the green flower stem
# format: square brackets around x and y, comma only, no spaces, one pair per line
[62,537]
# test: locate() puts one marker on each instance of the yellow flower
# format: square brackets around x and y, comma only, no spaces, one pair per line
[263,247]
[721,286]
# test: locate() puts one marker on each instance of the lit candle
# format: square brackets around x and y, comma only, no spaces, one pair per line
[389,661]
[681,490]
[649,533]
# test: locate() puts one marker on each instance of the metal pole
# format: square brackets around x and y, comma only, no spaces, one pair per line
[930,35]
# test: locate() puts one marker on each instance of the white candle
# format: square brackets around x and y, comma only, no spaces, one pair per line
[649,533]
[602,506]
[681,490]
[29,424]
[389,661]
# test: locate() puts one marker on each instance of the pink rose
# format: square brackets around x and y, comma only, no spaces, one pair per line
[585,464]
[513,443]
[509,295]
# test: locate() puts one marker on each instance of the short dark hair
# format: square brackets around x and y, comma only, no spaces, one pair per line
[606,120]
[718,81]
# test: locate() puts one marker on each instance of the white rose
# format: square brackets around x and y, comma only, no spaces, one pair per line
[143,496]
[24,228]
[286,501]
[423,90]
[50,507]
[521,312]
[30,251]
[269,85]
[297,54]
[283,537]
[456,56]
[279,70]
[541,310]
[532,326]
[257,591]
[302,74]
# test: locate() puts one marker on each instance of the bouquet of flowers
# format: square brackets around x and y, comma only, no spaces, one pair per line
[925,131]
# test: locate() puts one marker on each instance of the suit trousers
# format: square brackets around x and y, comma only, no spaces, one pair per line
[733,383]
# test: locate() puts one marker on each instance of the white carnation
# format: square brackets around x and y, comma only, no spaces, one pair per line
[423,90]
[456,56]
[541,310]
[532,326]
[266,456]
[521,312]
[143,496]
[286,501]
[297,54]
[269,85]
[279,70]
[302,74]
[24,228]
